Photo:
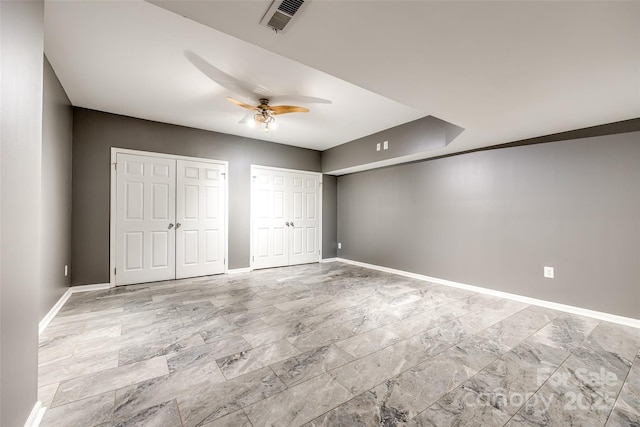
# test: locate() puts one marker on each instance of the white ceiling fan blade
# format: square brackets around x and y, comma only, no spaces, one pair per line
[299,99]
[242,88]
[217,75]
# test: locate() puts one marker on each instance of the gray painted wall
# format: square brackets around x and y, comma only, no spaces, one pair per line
[57,126]
[410,138]
[94,133]
[495,218]
[21,32]
[329,216]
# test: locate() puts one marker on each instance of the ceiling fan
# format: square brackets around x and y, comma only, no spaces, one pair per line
[265,112]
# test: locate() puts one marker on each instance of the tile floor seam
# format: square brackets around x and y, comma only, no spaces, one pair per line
[437,401]
[479,371]
[615,403]
[247,416]
[448,348]
[400,373]
[422,361]
[570,353]
[113,410]
[179,414]
[343,403]
[425,331]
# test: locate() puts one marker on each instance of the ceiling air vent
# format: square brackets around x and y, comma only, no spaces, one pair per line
[280,13]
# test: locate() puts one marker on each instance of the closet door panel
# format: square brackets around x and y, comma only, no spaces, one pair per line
[200,226]
[145,241]
[305,219]
[270,205]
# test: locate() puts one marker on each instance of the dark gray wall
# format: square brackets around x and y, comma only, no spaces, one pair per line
[329,216]
[21,32]
[495,218]
[94,133]
[57,126]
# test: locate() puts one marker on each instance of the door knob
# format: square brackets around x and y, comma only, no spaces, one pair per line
[286,223]
[178,225]
[170,225]
[292,223]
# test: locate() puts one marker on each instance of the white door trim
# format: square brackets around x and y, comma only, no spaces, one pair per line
[251,207]
[113,213]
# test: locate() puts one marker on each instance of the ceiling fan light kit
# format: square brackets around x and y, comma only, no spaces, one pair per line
[264,116]
[266,113]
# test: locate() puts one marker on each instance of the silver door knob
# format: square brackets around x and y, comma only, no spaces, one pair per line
[170,225]
[292,223]
[286,223]
[178,225]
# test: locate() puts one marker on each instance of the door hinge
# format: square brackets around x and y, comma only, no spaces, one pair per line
[224,175]
[115,166]
[224,262]
[254,179]
[253,258]
[114,271]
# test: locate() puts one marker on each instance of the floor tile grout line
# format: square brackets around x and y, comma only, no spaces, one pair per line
[179,413]
[107,391]
[524,404]
[454,345]
[438,325]
[426,330]
[401,373]
[635,360]
[247,417]
[419,333]
[496,358]
[113,410]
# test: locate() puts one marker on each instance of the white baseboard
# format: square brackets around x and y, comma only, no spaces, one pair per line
[35,417]
[88,288]
[613,318]
[54,310]
[239,270]
[329,260]
[63,299]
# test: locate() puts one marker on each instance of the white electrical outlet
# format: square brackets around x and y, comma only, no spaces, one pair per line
[66,270]
[339,245]
[378,146]
[548,272]
[385,145]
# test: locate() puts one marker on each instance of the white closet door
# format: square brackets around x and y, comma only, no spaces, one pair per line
[286,217]
[304,219]
[200,219]
[145,239]
[270,207]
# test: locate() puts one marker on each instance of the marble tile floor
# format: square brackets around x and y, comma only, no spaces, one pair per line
[330,345]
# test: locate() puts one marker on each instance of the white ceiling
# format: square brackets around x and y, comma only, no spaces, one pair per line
[504,71]
[128,57]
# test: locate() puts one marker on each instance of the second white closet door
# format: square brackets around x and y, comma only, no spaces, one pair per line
[304,224]
[200,219]
[270,207]
[286,217]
